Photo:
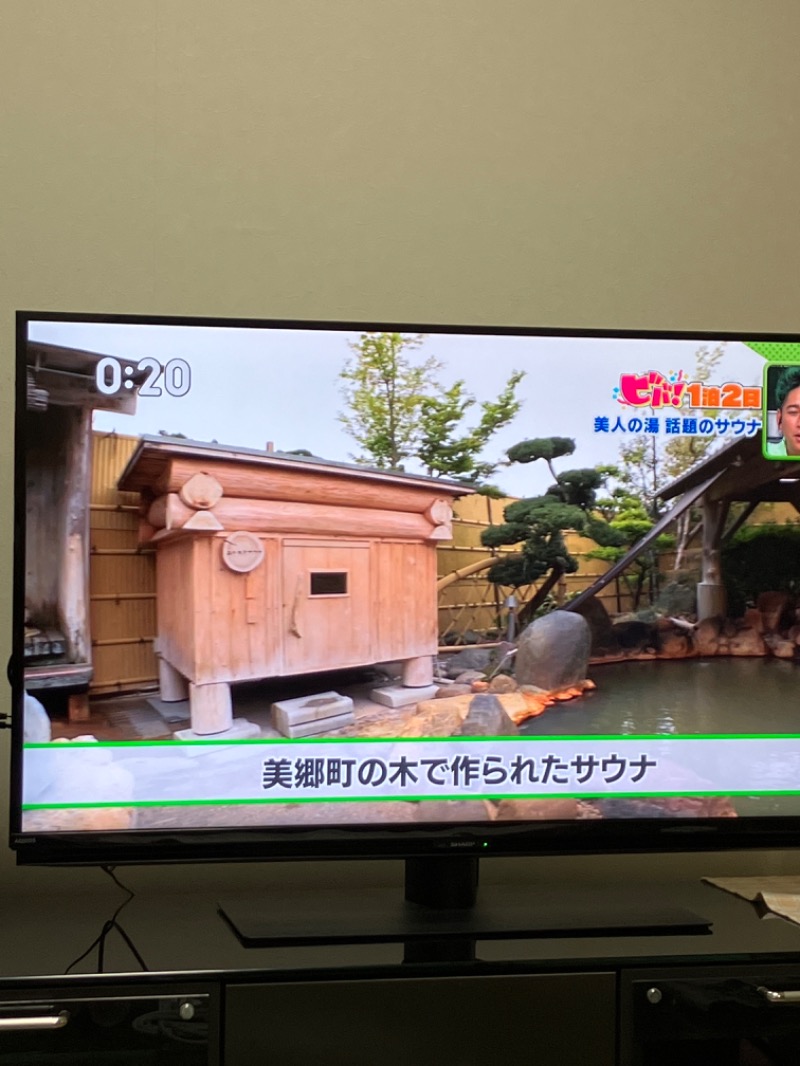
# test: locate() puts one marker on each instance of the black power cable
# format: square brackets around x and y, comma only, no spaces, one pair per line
[110,924]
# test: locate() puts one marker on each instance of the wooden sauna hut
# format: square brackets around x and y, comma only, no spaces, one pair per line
[272,565]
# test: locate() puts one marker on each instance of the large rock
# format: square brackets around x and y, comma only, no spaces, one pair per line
[91,773]
[779,646]
[668,807]
[78,820]
[446,692]
[707,636]
[36,726]
[527,810]
[604,642]
[673,641]
[448,717]
[487,718]
[469,659]
[747,642]
[554,651]
[772,606]
[452,811]
[633,635]
[503,683]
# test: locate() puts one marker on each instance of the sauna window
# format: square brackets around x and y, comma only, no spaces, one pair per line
[328,583]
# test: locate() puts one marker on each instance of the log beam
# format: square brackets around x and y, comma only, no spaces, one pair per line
[343,489]
[270,516]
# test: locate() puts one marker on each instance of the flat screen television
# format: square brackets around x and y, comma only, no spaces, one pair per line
[318,590]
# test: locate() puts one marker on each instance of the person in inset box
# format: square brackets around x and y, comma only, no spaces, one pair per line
[787,399]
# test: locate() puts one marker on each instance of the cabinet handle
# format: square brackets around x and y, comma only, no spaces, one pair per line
[35,1021]
[778,997]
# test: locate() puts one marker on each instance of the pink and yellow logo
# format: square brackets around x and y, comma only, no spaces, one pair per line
[656,390]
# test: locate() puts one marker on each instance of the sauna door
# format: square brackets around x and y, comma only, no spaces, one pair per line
[326,605]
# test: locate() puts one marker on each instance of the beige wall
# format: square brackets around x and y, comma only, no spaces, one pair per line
[627,163]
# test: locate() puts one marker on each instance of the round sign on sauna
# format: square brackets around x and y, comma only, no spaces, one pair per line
[242,552]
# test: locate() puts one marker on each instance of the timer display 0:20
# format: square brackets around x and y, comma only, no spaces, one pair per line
[112,376]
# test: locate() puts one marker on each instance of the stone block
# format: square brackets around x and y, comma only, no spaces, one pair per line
[400,696]
[318,726]
[240,729]
[289,713]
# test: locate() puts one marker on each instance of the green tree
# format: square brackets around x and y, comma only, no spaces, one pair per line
[398,411]
[647,464]
[682,452]
[628,517]
[446,450]
[383,391]
[538,523]
[760,559]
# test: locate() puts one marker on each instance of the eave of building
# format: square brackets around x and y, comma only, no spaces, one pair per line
[152,455]
[68,375]
[744,474]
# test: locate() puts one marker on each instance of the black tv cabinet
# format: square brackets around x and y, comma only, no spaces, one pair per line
[621,1001]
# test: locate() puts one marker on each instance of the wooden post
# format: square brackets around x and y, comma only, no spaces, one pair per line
[711,599]
[73,573]
[417,673]
[78,707]
[210,707]
[174,686]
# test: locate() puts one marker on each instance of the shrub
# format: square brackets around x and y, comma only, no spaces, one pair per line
[760,559]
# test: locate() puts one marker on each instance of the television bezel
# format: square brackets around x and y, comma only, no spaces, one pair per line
[368,841]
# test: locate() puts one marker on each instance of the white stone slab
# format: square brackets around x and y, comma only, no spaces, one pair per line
[287,713]
[320,726]
[402,695]
[241,729]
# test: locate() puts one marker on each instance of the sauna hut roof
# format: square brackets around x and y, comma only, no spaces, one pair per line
[68,377]
[741,473]
[153,454]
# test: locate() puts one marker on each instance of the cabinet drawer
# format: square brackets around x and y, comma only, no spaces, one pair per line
[134,1026]
[461,1021]
[715,1016]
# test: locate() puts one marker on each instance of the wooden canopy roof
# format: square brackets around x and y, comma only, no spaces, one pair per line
[67,377]
[741,473]
[735,473]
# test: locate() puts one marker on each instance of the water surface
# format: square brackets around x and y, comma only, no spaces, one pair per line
[725,695]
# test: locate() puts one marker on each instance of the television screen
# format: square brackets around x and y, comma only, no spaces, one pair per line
[318,589]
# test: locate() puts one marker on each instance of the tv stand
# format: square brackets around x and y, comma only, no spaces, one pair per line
[442,916]
[611,1001]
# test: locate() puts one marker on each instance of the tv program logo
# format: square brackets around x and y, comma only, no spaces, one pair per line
[673,390]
